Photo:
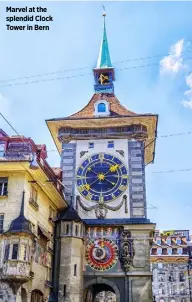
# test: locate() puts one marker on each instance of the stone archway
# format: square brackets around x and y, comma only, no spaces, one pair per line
[93,287]
[36,296]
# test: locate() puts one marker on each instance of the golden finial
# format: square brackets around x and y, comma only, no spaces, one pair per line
[104,13]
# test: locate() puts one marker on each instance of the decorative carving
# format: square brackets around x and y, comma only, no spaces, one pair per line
[102,208]
[126,250]
[19,269]
[83,153]
[121,152]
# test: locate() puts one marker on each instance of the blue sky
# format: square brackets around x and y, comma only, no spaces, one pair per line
[135,30]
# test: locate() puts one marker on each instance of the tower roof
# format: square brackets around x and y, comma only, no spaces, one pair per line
[20,224]
[70,214]
[115,107]
[104,60]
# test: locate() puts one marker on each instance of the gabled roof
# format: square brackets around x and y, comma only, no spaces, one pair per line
[115,107]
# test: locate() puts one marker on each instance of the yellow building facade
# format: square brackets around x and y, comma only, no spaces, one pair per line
[30,197]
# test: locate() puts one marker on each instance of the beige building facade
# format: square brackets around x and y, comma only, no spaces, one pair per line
[30,197]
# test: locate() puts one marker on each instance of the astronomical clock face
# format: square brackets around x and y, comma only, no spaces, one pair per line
[101,254]
[102,178]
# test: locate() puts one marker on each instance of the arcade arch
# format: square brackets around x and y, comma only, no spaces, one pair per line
[101,291]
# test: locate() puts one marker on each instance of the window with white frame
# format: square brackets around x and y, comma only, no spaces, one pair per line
[158,240]
[6,252]
[168,240]
[2,149]
[1,222]
[178,240]
[91,145]
[180,250]
[76,230]
[110,144]
[23,252]
[15,248]
[169,251]
[3,186]
[33,194]
[101,108]
[159,251]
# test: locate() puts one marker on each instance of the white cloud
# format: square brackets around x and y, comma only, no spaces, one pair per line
[173,63]
[189,80]
[188,103]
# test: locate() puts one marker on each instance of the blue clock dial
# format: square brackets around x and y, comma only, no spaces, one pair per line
[102,177]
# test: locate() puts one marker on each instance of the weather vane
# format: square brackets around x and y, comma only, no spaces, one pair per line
[104,13]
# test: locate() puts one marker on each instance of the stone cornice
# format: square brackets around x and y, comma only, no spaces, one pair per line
[149,121]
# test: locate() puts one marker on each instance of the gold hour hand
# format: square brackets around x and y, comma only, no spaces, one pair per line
[89,169]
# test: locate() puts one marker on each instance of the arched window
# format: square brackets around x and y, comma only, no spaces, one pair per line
[178,240]
[101,107]
[168,240]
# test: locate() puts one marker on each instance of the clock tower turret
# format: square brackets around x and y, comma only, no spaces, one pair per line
[104,72]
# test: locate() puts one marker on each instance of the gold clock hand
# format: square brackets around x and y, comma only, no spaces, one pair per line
[93,182]
[113,183]
[89,169]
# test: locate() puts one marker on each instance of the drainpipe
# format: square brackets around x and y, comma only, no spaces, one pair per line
[53,295]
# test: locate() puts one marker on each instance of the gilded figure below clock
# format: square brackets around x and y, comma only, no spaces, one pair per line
[102,178]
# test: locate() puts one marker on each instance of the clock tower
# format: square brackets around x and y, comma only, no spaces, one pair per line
[103,239]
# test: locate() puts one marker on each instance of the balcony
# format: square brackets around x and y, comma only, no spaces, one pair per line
[16,270]
[34,204]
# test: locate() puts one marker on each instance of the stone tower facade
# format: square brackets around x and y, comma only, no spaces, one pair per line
[104,150]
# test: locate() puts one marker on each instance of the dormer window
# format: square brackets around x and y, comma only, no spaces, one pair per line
[91,145]
[110,144]
[101,107]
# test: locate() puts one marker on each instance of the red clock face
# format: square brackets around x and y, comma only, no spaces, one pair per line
[101,254]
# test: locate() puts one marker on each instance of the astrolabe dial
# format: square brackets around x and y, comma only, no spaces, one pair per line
[102,177]
[101,254]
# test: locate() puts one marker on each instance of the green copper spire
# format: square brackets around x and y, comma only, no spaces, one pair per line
[104,60]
